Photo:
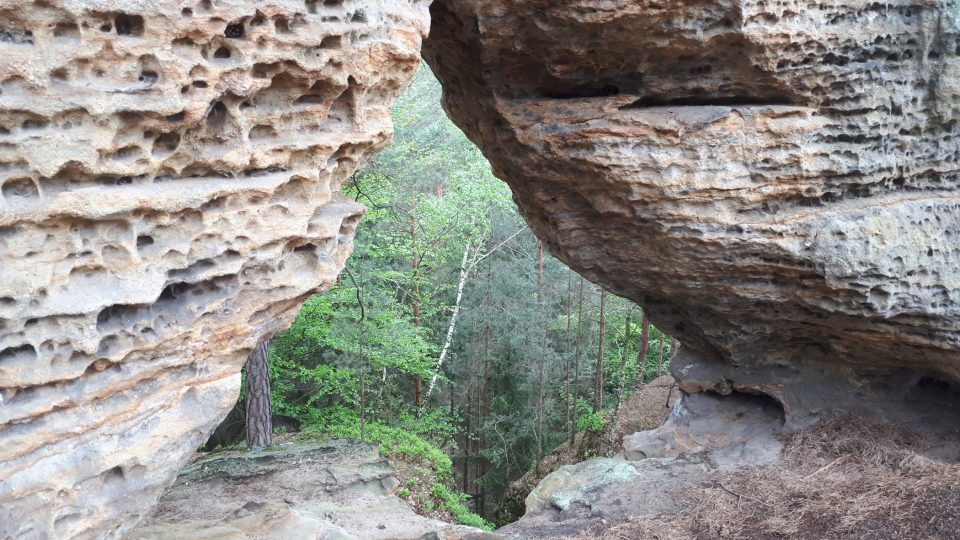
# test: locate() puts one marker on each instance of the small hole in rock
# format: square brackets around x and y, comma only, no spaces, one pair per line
[148,77]
[309,99]
[234,31]
[66,31]
[217,117]
[24,188]
[331,42]
[144,240]
[129,25]
[166,143]
[222,52]
[262,132]
[24,353]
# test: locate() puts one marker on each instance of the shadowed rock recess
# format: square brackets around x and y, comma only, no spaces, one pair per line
[775,182]
[169,174]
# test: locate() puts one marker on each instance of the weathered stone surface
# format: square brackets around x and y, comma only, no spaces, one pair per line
[339,490]
[776,183]
[728,431]
[170,176]
[603,489]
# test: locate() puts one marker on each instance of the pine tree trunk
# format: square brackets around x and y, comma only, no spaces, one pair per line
[598,376]
[258,406]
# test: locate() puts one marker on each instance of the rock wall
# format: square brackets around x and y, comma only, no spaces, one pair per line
[169,174]
[777,183]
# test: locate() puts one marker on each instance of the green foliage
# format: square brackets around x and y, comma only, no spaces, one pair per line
[343,423]
[513,371]
[340,422]
[455,503]
[587,420]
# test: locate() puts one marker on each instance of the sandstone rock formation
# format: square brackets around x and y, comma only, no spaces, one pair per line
[576,497]
[170,176]
[777,183]
[338,490]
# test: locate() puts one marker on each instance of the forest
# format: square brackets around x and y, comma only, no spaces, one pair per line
[453,339]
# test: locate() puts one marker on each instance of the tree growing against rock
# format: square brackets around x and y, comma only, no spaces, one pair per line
[259,408]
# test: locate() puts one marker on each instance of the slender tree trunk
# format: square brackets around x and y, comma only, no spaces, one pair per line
[363,405]
[540,271]
[644,346]
[464,274]
[626,336]
[258,406]
[543,353]
[622,383]
[660,357]
[361,357]
[484,412]
[418,392]
[598,376]
[467,264]
[576,364]
[466,443]
[566,356]
[415,288]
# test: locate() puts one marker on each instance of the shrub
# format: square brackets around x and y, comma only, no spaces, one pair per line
[455,503]
[343,423]
[587,420]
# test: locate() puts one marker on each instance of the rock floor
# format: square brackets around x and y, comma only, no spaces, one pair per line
[338,490]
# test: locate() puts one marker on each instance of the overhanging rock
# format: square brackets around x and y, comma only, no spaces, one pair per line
[777,184]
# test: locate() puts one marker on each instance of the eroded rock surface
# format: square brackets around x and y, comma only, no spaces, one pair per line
[603,490]
[169,175]
[340,490]
[727,431]
[776,183]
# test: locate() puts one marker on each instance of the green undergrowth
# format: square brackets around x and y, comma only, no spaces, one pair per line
[424,469]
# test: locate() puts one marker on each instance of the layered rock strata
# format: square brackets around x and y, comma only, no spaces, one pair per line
[776,183]
[337,490]
[169,175]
